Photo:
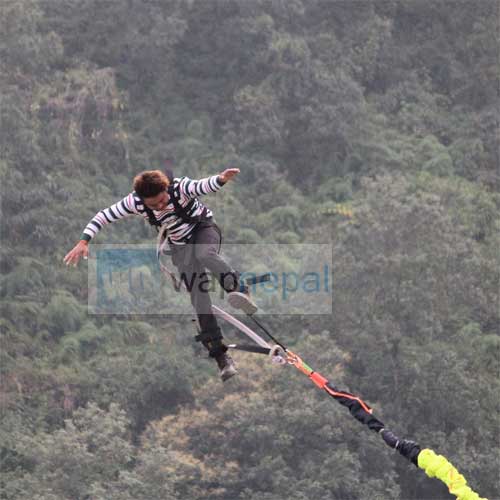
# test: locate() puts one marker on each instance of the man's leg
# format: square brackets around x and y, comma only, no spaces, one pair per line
[194,277]
[207,243]
[210,333]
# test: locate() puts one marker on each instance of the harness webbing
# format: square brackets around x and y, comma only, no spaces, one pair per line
[179,210]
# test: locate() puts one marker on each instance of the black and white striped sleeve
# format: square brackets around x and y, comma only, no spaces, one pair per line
[120,210]
[193,189]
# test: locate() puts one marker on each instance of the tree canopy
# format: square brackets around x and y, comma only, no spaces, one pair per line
[387,107]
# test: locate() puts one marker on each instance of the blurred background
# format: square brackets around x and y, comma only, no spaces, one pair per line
[387,107]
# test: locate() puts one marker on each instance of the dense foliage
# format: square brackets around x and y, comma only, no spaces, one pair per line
[390,106]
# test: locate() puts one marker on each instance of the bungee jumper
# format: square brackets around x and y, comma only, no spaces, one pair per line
[188,227]
[433,464]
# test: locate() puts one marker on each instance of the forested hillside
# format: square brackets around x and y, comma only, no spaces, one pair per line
[389,107]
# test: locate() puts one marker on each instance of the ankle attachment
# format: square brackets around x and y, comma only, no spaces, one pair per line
[212,340]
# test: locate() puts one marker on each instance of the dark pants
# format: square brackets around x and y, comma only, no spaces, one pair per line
[192,261]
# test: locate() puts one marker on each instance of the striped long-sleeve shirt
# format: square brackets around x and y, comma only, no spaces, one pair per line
[179,231]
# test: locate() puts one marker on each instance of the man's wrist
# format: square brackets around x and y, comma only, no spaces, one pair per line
[85,237]
[220,180]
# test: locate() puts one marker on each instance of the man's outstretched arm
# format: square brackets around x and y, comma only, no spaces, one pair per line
[194,188]
[124,208]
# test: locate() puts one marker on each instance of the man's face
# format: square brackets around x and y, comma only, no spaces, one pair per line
[158,202]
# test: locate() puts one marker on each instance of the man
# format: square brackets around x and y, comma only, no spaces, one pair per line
[194,241]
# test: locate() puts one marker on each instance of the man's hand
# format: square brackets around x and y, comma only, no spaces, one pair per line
[228,174]
[81,249]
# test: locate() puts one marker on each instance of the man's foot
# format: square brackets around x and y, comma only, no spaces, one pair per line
[226,366]
[242,301]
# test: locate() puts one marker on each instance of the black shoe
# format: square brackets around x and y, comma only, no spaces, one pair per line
[226,366]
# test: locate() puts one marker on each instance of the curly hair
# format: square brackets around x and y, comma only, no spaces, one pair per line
[150,183]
